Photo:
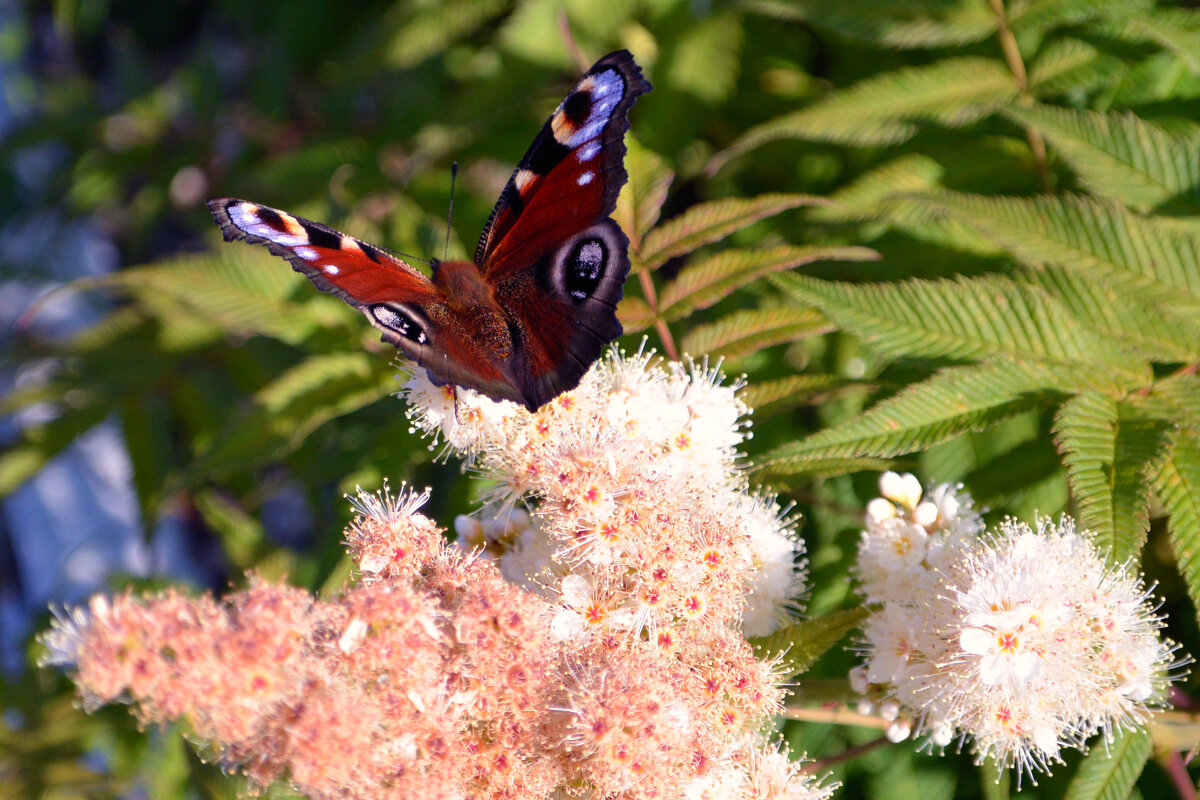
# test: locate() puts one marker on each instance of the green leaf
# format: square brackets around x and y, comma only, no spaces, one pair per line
[800,645]
[39,444]
[782,394]
[706,59]
[707,281]
[432,27]
[1178,488]
[1111,452]
[744,333]
[296,403]
[962,319]
[709,222]
[242,536]
[635,314]
[1079,233]
[1025,18]
[863,198]
[821,466]
[1121,156]
[885,109]
[642,197]
[953,401]
[1174,29]
[1178,399]
[238,290]
[1160,331]
[1109,772]
[889,23]
[1070,66]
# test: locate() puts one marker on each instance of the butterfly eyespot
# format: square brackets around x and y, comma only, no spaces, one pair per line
[585,268]
[395,318]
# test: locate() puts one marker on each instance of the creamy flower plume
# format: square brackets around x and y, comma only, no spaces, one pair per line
[585,635]
[1023,642]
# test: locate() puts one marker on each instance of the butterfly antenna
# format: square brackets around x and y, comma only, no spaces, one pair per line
[450,212]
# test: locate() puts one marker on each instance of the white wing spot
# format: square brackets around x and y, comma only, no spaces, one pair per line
[591,256]
[585,178]
[588,151]
[330,269]
[307,253]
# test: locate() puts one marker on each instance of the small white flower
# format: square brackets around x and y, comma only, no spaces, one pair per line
[353,636]
[904,490]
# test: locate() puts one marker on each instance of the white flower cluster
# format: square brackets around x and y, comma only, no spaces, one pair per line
[1024,642]
[677,424]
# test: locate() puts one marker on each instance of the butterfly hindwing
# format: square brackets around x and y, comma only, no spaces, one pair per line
[568,308]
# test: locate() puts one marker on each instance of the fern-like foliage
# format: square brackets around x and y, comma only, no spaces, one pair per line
[957,237]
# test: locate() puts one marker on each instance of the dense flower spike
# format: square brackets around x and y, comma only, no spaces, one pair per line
[1024,642]
[585,636]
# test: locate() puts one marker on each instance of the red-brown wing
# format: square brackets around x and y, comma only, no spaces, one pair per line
[402,303]
[355,271]
[564,310]
[570,177]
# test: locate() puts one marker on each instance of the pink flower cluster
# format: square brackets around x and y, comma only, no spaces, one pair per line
[612,666]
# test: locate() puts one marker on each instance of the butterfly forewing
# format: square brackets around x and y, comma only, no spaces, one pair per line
[571,175]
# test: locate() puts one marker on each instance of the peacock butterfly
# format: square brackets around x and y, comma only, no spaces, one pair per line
[531,314]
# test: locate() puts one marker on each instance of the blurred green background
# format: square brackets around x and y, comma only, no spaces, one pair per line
[187,410]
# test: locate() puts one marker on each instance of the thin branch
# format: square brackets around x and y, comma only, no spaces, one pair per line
[836,715]
[660,324]
[573,48]
[1172,764]
[1012,55]
[822,764]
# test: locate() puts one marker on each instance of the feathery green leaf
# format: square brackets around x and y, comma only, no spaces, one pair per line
[635,314]
[237,290]
[886,108]
[1174,29]
[1025,18]
[1161,332]
[1177,398]
[744,333]
[296,403]
[782,394]
[901,24]
[1084,234]
[1121,156]
[1111,452]
[709,222]
[642,197]
[962,319]
[1108,772]
[951,402]
[707,281]
[799,645]
[1177,485]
